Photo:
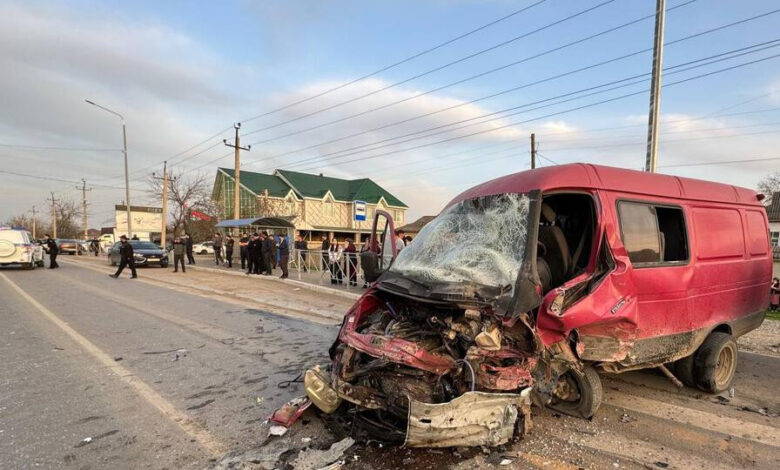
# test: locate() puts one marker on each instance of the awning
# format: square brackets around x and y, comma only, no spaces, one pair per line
[271,222]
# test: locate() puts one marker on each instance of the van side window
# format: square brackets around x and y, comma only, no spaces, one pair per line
[653,234]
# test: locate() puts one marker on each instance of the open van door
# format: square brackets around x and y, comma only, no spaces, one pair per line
[381,250]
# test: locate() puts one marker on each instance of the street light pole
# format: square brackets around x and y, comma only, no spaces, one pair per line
[127,176]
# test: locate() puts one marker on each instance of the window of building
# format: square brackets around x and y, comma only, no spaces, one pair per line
[653,234]
[774,237]
[328,208]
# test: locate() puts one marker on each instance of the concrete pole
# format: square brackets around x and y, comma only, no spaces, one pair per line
[533,151]
[651,160]
[237,173]
[53,217]
[164,205]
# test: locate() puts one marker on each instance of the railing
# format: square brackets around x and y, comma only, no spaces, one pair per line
[338,268]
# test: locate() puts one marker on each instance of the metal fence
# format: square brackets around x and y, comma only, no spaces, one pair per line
[329,267]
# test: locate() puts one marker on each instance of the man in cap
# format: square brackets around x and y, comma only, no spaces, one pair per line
[126,258]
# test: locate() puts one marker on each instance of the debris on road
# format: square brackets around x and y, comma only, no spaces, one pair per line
[313,459]
[289,413]
[277,430]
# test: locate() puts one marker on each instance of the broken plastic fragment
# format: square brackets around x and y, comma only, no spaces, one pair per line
[277,430]
[490,340]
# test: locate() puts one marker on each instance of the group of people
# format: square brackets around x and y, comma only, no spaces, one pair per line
[260,253]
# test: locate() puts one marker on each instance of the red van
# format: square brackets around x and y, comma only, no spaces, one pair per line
[525,286]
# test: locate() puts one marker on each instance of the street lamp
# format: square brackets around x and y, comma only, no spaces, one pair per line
[124,151]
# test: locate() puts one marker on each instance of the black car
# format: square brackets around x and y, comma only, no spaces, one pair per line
[145,253]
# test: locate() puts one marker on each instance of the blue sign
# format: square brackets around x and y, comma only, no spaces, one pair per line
[360,210]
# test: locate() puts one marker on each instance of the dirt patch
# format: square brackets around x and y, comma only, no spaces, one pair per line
[763,340]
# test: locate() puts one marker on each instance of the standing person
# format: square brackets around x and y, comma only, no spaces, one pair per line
[334,260]
[774,301]
[126,258]
[368,245]
[284,255]
[188,246]
[53,250]
[268,252]
[229,242]
[399,241]
[179,249]
[324,252]
[243,243]
[135,237]
[350,262]
[94,245]
[218,249]
[275,251]
[251,248]
[303,247]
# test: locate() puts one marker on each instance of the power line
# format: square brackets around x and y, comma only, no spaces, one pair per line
[436,69]
[589,105]
[722,162]
[356,80]
[68,149]
[633,80]
[61,180]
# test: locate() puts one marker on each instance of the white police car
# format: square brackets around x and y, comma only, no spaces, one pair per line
[18,247]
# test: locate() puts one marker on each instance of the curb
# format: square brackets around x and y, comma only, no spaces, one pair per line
[305,285]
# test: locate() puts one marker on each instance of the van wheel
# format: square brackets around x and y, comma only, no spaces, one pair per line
[683,370]
[578,394]
[29,266]
[716,362]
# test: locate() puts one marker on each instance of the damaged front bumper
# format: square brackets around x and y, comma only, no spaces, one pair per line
[472,419]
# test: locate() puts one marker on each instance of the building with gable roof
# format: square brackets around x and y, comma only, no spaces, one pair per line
[315,205]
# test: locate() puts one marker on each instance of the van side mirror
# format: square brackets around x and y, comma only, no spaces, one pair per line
[369,262]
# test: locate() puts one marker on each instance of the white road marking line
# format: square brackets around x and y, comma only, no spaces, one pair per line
[759,433]
[209,443]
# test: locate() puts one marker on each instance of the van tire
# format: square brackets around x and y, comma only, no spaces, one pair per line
[29,266]
[683,370]
[716,362]
[591,394]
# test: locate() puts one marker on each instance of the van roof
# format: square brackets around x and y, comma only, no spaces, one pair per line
[588,176]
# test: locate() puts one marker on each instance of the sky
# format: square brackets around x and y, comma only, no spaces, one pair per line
[459,87]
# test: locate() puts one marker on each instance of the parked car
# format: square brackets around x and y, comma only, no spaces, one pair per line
[531,283]
[145,254]
[69,246]
[18,247]
[204,248]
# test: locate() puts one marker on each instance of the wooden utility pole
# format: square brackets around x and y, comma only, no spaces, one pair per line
[84,190]
[533,150]
[237,172]
[35,235]
[53,216]
[165,180]
[651,160]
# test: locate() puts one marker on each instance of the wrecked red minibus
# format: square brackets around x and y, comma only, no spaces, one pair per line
[524,287]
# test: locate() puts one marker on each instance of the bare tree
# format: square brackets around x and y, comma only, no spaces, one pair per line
[186,192]
[68,215]
[769,185]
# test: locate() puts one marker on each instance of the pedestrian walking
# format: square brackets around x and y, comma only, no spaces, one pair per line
[243,242]
[218,249]
[229,242]
[94,246]
[324,252]
[188,246]
[179,250]
[774,300]
[350,262]
[53,250]
[284,256]
[268,249]
[126,258]
[334,262]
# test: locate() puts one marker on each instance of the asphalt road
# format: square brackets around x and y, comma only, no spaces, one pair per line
[174,371]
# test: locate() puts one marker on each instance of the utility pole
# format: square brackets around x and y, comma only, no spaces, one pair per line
[237,172]
[651,160]
[533,150]
[35,235]
[84,190]
[165,180]
[53,216]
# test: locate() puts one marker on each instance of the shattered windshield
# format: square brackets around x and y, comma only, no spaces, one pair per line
[475,241]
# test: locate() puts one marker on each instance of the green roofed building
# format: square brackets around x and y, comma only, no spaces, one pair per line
[315,204]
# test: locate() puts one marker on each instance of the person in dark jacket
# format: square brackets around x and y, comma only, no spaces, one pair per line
[303,248]
[284,255]
[179,249]
[188,248]
[350,262]
[53,250]
[254,255]
[268,248]
[324,253]
[229,242]
[94,246]
[243,242]
[218,249]
[125,258]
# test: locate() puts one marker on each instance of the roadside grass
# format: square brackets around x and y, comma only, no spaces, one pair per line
[773,315]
